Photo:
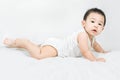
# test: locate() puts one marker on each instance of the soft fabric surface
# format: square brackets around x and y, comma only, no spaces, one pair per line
[15,65]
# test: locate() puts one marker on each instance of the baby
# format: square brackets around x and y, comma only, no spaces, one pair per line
[78,44]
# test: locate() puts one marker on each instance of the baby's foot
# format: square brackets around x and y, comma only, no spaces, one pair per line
[9,42]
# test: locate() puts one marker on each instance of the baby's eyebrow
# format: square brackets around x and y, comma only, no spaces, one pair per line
[93,18]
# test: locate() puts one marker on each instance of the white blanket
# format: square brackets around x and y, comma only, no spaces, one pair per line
[15,65]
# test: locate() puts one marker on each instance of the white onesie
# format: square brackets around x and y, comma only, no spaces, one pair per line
[66,47]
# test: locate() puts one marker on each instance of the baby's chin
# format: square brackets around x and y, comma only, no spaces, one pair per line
[93,34]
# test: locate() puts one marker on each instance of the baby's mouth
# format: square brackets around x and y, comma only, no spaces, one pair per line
[94,30]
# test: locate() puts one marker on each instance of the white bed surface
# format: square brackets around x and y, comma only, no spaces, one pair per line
[15,65]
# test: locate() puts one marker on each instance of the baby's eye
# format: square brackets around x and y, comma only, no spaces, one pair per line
[92,21]
[100,24]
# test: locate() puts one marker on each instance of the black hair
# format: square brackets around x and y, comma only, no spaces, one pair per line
[95,10]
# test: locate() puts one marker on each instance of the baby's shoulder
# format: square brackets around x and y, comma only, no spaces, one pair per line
[81,31]
[82,35]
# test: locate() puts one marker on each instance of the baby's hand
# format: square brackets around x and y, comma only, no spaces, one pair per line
[100,59]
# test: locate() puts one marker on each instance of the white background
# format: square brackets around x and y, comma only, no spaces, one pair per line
[41,19]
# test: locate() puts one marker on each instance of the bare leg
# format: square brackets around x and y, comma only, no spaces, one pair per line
[17,43]
[34,50]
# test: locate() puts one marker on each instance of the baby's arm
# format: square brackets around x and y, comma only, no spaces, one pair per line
[86,52]
[98,48]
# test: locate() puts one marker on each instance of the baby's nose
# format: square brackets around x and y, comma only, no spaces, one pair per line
[96,25]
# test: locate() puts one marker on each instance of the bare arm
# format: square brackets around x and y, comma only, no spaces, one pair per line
[97,47]
[83,45]
[86,52]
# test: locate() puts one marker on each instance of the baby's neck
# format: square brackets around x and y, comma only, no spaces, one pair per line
[90,36]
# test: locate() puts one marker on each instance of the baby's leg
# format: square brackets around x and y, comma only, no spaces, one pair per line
[17,43]
[40,52]
[34,50]
[47,51]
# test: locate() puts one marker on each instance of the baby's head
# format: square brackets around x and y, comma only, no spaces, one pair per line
[95,10]
[94,21]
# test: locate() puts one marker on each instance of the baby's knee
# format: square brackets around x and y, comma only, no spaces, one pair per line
[37,57]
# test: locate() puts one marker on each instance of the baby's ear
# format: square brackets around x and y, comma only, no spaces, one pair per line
[83,23]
